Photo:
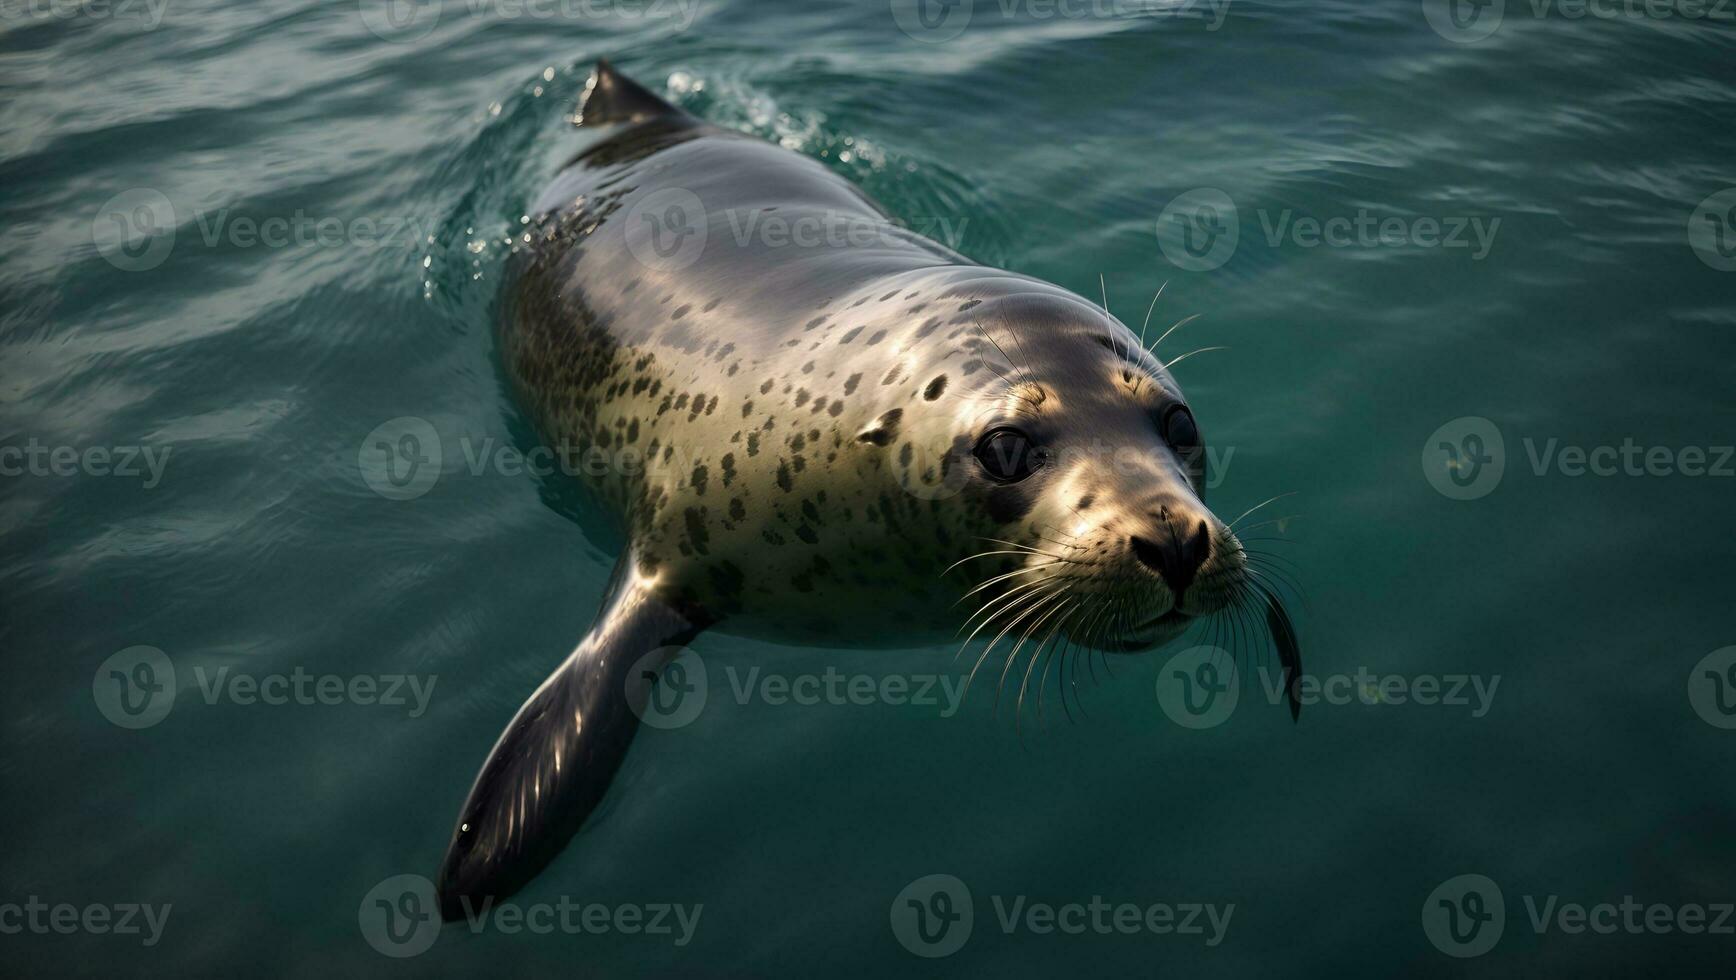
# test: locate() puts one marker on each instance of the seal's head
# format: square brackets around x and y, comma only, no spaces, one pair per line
[1080,454]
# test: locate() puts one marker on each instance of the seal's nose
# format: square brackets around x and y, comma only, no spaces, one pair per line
[1175,556]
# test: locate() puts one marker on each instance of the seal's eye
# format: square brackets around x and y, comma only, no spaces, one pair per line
[1180,432]
[1008,455]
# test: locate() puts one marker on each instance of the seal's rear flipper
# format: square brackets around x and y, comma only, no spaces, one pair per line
[554,762]
[613,97]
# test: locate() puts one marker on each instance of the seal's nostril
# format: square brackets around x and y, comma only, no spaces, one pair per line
[1176,560]
[1150,555]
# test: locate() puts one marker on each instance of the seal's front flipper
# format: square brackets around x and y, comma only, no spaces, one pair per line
[554,762]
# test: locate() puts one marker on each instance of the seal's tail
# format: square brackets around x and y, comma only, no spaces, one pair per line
[615,98]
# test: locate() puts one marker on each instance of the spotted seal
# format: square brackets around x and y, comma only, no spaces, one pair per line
[801,428]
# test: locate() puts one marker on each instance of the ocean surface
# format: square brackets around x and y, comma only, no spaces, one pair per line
[1473,270]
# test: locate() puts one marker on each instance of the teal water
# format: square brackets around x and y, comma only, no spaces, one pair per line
[139,144]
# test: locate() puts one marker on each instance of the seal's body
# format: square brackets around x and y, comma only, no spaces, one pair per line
[804,415]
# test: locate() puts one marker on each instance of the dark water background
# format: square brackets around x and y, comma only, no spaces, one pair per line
[1052,145]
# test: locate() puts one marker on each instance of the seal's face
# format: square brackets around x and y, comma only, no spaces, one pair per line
[1092,468]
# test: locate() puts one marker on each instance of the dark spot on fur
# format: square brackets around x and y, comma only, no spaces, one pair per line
[851,382]
[851,335]
[681,311]
[928,328]
[786,482]
[737,510]
[935,388]
[766,387]
[699,478]
[878,336]
[697,533]
[974,302]
[753,443]
[836,410]
[884,430]
[807,534]
[728,468]
[1086,501]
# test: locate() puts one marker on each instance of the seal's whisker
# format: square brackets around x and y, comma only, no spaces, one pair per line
[1010,363]
[1197,350]
[1028,548]
[1055,603]
[1028,569]
[1177,325]
[1271,521]
[1030,607]
[1043,679]
[1148,311]
[1232,525]
[1023,587]
[988,554]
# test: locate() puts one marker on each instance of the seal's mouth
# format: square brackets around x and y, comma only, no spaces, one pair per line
[1175,617]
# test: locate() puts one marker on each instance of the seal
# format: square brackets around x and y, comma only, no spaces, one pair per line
[804,415]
